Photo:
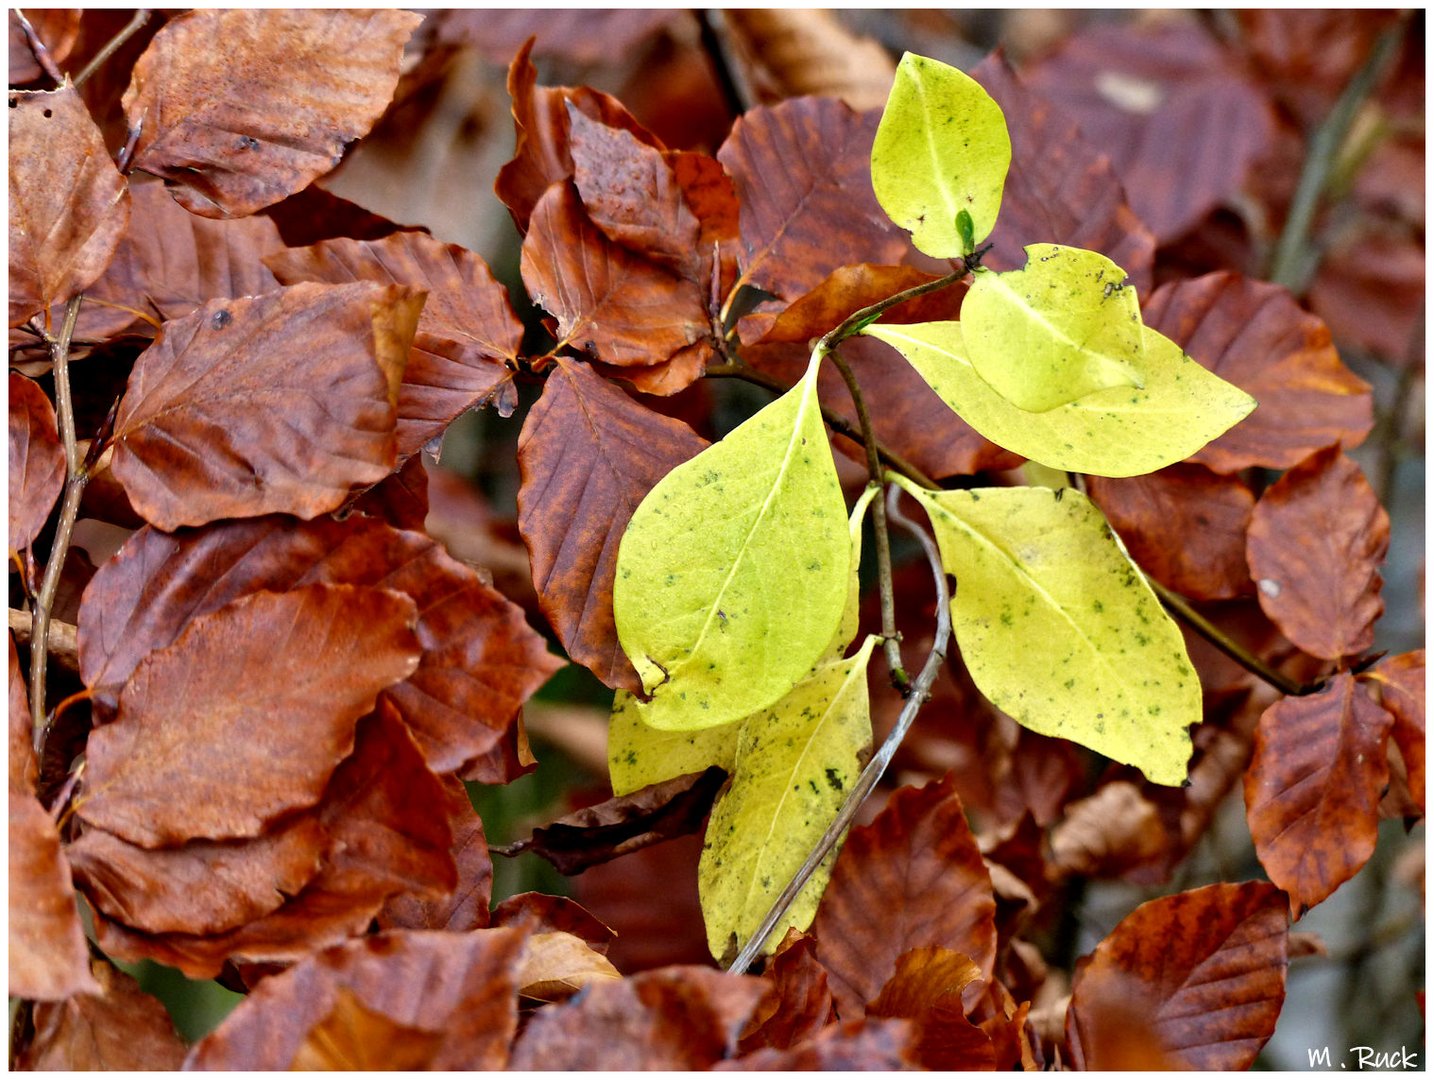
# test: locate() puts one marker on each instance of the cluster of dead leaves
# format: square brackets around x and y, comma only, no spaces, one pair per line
[288,680]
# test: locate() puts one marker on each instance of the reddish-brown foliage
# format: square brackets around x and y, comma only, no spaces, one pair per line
[58,29]
[1401,691]
[115,1028]
[48,958]
[588,454]
[68,203]
[1312,790]
[237,109]
[1317,539]
[1198,978]
[37,461]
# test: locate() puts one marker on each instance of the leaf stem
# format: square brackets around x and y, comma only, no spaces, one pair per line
[139,18]
[42,54]
[69,510]
[859,320]
[920,691]
[1294,262]
[1182,608]
[891,641]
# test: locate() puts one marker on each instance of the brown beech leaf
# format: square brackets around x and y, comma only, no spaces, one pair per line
[466,333]
[68,202]
[790,52]
[1185,526]
[400,499]
[459,987]
[1317,539]
[352,1038]
[49,960]
[927,988]
[281,402]
[802,170]
[1108,832]
[237,109]
[23,766]
[632,194]
[116,1028]
[539,913]
[1203,973]
[510,758]
[1254,335]
[802,1003]
[1370,284]
[918,865]
[57,28]
[383,840]
[299,667]
[313,214]
[1401,691]
[541,154]
[1060,187]
[480,660]
[854,1046]
[1313,787]
[556,965]
[203,887]
[582,36]
[1128,86]
[466,908]
[37,461]
[846,290]
[608,301]
[601,833]
[671,1018]
[587,455]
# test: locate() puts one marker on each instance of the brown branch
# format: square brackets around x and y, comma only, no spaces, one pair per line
[42,54]
[130,28]
[64,637]
[920,692]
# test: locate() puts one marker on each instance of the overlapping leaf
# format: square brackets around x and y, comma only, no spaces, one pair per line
[802,170]
[37,461]
[352,1038]
[802,1003]
[609,302]
[1116,432]
[717,558]
[1255,336]
[853,1046]
[670,1018]
[237,109]
[1313,787]
[1317,538]
[1060,188]
[457,987]
[301,667]
[480,659]
[466,907]
[68,203]
[587,455]
[466,334]
[1401,691]
[556,965]
[794,765]
[49,960]
[281,402]
[23,766]
[118,1028]
[918,865]
[1205,969]
[927,988]
[1059,628]
[1185,526]
[640,755]
[1061,328]
[383,841]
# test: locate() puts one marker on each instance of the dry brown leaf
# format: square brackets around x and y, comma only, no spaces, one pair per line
[1401,682]
[116,1028]
[49,960]
[802,1003]
[281,402]
[68,203]
[37,461]
[353,1038]
[237,109]
[556,965]
[788,52]
[23,766]
[247,713]
[466,908]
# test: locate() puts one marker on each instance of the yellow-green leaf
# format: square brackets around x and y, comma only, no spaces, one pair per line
[1060,630]
[851,614]
[1118,432]
[639,755]
[733,573]
[1060,328]
[941,148]
[795,764]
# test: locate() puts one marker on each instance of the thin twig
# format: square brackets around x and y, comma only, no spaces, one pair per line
[69,510]
[1182,608]
[42,54]
[920,691]
[1294,262]
[858,321]
[139,18]
[64,637]
[891,641]
[734,94]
